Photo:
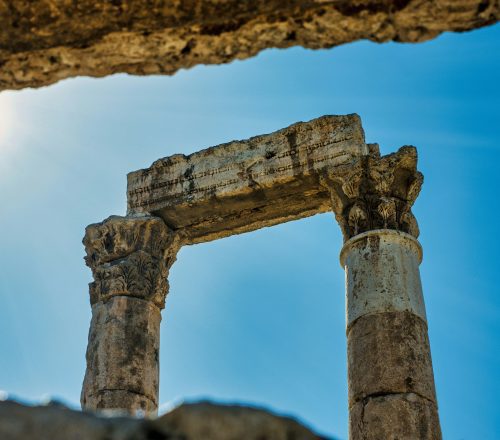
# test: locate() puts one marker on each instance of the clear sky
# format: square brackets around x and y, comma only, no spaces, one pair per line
[258,318]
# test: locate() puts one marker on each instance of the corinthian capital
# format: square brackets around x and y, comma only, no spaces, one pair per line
[376,192]
[130,256]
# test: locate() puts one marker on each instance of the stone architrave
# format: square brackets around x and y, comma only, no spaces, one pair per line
[245,185]
[130,258]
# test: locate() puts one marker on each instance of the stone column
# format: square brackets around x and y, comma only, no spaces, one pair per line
[130,258]
[390,378]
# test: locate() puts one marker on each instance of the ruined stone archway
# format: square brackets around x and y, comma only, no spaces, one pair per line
[307,168]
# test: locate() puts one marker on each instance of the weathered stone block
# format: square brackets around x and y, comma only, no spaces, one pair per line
[123,355]
[382,274]
[389,353]
[121,401]
[394,417]
[245,185]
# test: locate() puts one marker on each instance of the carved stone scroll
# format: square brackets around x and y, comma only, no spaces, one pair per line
[245,185]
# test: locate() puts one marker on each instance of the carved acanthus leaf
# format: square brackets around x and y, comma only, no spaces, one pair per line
[376,193]
[387,210]
[130,256]
[357,217]
[414,188]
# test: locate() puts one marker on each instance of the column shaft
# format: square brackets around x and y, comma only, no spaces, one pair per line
[123,356]
[391,385]
[130,258]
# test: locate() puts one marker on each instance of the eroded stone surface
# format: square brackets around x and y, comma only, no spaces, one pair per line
[44,41]
[376,192]
[202,421]
[394,417]
[305,169]
[123,356]
[382,274]
[245,185]
[130,258]
[389,353]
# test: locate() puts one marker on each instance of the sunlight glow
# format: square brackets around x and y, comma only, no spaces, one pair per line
[8,128]
[7,122]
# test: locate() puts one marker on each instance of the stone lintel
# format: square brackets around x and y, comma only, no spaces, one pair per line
[245,185]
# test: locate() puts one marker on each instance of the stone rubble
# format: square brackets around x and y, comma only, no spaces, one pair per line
[198,421]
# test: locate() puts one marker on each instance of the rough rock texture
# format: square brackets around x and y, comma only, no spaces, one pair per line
[202,421]
[245,185]
[130,258]
[44,41]
[212,422]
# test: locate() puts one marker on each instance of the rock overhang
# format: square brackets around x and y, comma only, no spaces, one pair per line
[44,41]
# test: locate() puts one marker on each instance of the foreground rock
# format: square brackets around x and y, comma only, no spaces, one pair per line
[44,41]
[201,421]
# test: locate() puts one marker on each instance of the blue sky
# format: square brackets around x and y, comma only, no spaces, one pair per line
[258,318]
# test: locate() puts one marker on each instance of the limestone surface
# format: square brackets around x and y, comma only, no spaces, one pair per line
[123,356]
[394,416]
[44,41]
[201,421]
[382,274]
[389,353]
[245,185]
